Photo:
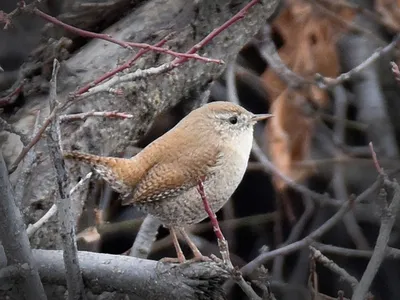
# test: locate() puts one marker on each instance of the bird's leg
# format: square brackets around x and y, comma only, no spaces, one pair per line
[196,252]
[180,256]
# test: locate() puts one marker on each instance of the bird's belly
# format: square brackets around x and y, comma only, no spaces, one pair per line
[188,207]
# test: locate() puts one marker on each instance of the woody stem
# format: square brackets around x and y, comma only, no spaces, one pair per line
[222,243]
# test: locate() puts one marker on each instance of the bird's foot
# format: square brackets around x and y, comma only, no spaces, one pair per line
[216,259]
[174,260]
[200,258]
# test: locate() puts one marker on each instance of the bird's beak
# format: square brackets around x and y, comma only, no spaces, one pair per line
[260,117]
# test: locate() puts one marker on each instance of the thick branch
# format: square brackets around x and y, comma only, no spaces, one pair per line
[63,202]
[105,272]
[15,241]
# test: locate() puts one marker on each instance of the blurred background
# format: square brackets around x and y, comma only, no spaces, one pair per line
[318,138]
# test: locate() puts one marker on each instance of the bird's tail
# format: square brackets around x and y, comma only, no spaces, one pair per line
[112,169]
[90,159]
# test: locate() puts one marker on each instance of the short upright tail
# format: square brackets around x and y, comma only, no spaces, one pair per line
[112,169]
[90,159]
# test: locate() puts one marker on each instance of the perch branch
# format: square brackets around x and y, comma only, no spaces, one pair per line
[66,221]
[17,247]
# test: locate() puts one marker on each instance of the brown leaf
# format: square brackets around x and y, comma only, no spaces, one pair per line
[390,13]
[289,135]
[309,47]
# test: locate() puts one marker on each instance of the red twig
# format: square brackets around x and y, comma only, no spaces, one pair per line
[126,65]
[11,97]
[216,31]
[4,18]
[129,45]
[375,160]
[222,243]
[182,57]
[395,70]
[34,140]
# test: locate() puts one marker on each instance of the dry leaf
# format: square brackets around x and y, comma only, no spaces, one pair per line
[390,13]
[309,47]
[289,136]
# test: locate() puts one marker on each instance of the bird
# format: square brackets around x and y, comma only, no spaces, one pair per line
[212,144]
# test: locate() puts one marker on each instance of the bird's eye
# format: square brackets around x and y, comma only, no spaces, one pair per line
[233,120]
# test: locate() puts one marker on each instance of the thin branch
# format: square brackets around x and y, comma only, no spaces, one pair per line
[294,235]
[395,70]
[13,95]
[26,168]
[329,224]
[138,74]
[32,228]
[124,44]
[4,125]
[33,142]
[270,168]
[104,114]
[66,221]
[126,65]
[145,238]
[331,265]
[338,181]
[388,218]
[392,253]
[15,241]
[269,52]
[240,15]
[324,82]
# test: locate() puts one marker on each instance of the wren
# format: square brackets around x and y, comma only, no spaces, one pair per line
[212,143]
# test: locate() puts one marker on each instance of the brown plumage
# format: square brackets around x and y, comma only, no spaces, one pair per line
[211,144]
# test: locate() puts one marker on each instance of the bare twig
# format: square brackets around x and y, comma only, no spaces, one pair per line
[395,70]
[389,213]
[126,65]
[269,168]
[145,238]
[240,15]
[32,228]
[375,160]
[294,236]
[104,114]
[124,44]
[270,54]
[26,168]
[338,181]
[331,265]
[4,125]
[138,74]
[66,221]
[33,142]
[15,241]
[13,95]
[324,82]
[390,252]
[266,256]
